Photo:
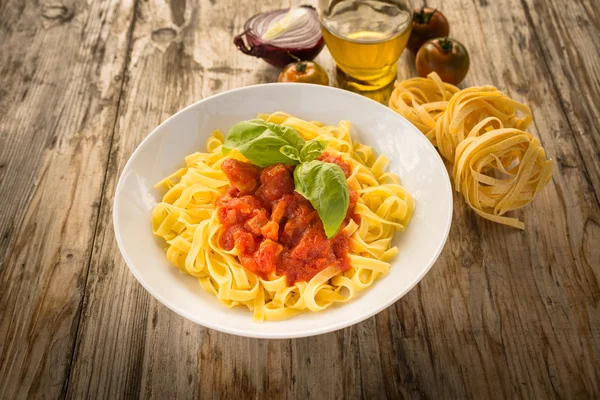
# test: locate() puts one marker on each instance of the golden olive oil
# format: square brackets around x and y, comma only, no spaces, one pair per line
[366,39]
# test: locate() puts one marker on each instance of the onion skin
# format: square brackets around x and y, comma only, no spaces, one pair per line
[274,55]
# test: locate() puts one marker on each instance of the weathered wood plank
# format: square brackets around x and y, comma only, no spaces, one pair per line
[60,74]
[567,33]
[180,54]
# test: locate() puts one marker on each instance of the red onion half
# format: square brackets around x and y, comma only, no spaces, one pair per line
[304,41]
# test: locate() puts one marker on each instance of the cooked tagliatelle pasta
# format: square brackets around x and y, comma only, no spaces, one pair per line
[190,218]
[497,166]
[423,101]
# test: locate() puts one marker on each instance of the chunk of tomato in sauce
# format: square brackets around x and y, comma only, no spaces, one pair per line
[270,230]
[312,245]
[267,256]
[227,236]
[332,158]
[238,209]
[242,175]
[257,221]
[276,181]
[245,242]
[300,214]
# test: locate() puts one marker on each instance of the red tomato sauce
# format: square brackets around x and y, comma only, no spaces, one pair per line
[276,229]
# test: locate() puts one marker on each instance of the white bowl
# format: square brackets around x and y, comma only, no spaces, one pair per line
[413,159]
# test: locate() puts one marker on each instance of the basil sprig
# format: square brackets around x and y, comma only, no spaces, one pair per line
[323,184]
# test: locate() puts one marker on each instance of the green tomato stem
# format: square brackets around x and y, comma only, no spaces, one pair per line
[445,44]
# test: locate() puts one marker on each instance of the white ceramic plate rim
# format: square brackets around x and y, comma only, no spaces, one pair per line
[447,189]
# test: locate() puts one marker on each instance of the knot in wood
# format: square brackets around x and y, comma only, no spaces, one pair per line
[164,35]
[57,12]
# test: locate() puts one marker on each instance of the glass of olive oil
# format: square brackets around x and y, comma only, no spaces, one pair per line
[366,38]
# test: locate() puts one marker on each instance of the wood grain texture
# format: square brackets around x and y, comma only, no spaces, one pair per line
[178,56]
[502,314]
[567,34]
[60,80]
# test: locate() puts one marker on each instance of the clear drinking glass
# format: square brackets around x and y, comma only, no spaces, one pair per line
[366,38]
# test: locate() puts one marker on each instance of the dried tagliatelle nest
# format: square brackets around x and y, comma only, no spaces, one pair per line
[497,166]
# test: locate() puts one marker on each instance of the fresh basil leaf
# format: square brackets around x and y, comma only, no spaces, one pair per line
[265,150]
[325,186]
[291,152]
[243,132]
[312,149]
[261,142]
[289,134]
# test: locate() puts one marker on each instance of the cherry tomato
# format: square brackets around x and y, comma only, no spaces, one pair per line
[305,72]
[447,57]
[428,23]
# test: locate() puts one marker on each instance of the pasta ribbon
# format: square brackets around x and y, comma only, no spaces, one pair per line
[497,167]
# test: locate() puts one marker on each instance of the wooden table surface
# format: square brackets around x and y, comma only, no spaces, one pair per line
[502,314]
